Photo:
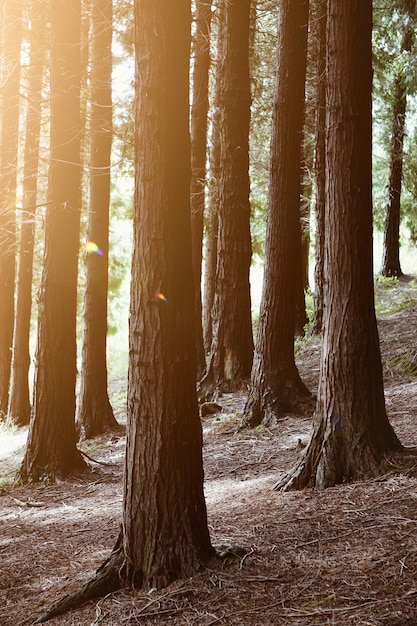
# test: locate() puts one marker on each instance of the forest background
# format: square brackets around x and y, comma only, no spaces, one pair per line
[391,63]
[51,451]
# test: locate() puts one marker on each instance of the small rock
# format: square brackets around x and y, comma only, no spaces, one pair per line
[209,408]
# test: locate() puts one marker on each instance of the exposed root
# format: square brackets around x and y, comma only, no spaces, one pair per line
[109,577]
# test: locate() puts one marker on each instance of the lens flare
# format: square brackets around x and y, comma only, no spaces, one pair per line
[92,248]
[161,297]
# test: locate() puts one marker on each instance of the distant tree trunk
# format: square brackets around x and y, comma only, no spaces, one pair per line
[232,345]
[391,248]
[212,221]
[351,431]
[95,414]
[275,384]
[11,21]
[51,449]
[199,111]
[19,399]
[320,166]
[301,318]
[164,532]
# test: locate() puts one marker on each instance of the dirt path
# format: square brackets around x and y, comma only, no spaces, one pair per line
[344,556]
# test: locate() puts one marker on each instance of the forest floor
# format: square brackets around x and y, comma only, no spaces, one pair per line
[346,555]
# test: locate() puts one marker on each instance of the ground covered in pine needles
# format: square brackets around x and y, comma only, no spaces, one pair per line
[347,555]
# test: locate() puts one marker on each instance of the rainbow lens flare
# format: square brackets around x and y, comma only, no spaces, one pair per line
[92,248]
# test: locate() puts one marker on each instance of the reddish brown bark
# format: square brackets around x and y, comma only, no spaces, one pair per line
[391,248]
[351,431]
[51,450]
[320,167]
[199,124]
[275,384]
[95,414]
[165,534]
[212,221]
[232,343]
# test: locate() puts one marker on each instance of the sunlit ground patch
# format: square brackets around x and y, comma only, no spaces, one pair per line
[12,440]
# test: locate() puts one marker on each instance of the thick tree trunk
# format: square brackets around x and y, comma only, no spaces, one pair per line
[51,449]
[165,534]
[199,111]
[232,345]
[352,431]
[95,414]
[19,399]
[164,530]
[11,20]
[276,385]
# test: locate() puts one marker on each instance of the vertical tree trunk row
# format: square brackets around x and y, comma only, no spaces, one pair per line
[11,21]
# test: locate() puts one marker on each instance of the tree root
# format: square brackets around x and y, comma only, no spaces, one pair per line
[109,577]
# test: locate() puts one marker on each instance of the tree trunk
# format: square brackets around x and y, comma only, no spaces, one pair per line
[51,449]
[232,344]
[19,399]
[212,222]
[95,414]
[164,519]
[164,532]
[391,248]
[276,385]
[320,166]
[199,111]
[351,432]
[9,130]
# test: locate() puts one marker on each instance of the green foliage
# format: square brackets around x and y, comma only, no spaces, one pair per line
[391,296]
[394,57]
[406,363]
[263,61]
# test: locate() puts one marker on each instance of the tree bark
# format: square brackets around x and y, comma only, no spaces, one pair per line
[95,414]
[275,383]
[351,430]
[232,344]
[51,450]
[320,167]
[212,222]
[391,247]
[165,534]
[9,131]
[19,398]
[199,124]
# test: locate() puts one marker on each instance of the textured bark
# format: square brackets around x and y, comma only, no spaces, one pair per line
[275,384]
[199,123]
[391,248]
[51,449]
[165,534]
[95,414]
[320,166]
[19,399]
[352,431]
[232,344]
[212,222]
[11,19]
